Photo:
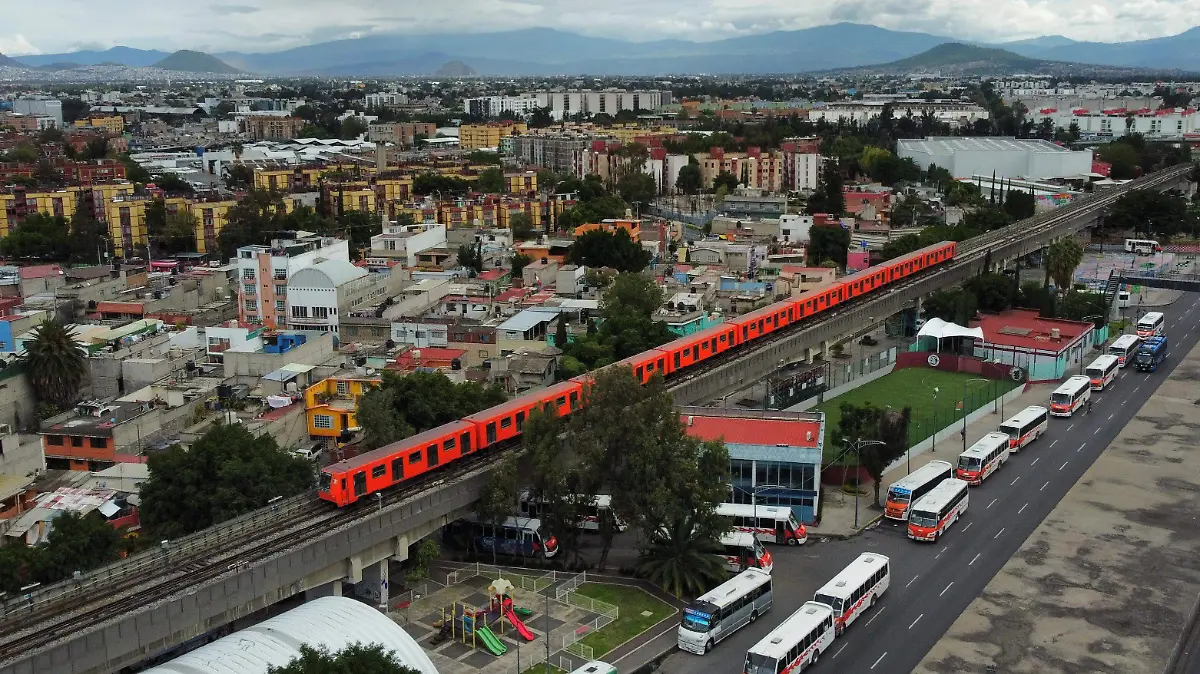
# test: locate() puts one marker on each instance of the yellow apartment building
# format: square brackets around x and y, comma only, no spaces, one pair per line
[211,218]
[331,404]
[476,136]
[521,182]
[58,202]
[112,124]
[126,220]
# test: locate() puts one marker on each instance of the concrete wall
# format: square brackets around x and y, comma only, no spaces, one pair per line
[18,405]
[315,561]
[317,349]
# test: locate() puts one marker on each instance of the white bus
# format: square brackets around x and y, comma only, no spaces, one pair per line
[744,551]
[1142,246]
[1124,348]
[933,514]
[797,643]
[1102,371]
[983,458]
[724,610]
[595,667]
[913,486]
[856,588]
[594,509]
[1151,325]
[1067,398]
[772,524]
[1026,426]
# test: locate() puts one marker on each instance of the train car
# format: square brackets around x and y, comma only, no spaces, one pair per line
[863,282]
[764,321]
[644,365]
[688,350]
[347,481]
[918,260]
[505,421]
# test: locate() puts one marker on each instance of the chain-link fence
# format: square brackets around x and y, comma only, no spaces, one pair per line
[952,407]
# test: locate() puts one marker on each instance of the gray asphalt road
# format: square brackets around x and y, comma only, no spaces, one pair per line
[933,584]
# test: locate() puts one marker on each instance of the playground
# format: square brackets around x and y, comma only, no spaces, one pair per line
[486,620]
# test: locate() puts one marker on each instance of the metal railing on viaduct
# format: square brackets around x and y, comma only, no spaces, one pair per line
[122,614]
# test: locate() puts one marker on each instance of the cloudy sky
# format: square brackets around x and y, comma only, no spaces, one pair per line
[269,25]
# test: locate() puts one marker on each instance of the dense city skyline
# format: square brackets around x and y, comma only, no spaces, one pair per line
[267,25]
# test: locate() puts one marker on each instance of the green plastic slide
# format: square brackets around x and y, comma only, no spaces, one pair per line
[491,641]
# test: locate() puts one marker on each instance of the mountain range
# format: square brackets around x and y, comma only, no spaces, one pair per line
[545,51]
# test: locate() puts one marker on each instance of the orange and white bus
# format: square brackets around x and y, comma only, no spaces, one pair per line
[1102,371]
[983,458]
[1124,348]
[1151,325]
[1069,397]
[913,486]
[796,644]
[856,588]
[772,524]
[937,510]
[1028,425]
[743,551]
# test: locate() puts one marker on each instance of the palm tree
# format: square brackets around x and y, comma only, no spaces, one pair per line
[681,560]
[56,366]
[1062,258]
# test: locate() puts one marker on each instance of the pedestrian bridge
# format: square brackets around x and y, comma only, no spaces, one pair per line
[1170,280]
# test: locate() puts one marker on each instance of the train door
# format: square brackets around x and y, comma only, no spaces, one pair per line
[360,483]
[431,456]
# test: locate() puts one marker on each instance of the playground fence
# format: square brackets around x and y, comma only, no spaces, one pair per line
[570,585]
[580,649]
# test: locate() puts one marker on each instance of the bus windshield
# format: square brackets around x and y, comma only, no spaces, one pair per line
[793,523]
[1094,372]
[969,462]
[898,495]
[759,664]
[1145,356]
[832,602]
[1060,398]
[922,519]
[696,621]
[1011,431]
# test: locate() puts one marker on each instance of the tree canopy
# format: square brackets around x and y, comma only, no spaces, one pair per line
[76,543]
[55,363]
[225,473]
[354,659]
[1150,213]
[419,401]
[627,327]
[828,242]
[598,248]
[870,423]
[1062,258]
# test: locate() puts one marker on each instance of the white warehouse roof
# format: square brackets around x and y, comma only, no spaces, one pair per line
[1006,156]
[332,622]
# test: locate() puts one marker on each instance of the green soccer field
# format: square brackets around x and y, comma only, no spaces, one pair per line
[915,387]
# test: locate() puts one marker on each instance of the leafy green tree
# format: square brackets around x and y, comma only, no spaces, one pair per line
[226,473]
[637,187]
[540,118]
[901,245]
[352,127]
[169,233]
[828,242]
[420,401]
[682,560]
[1149,213]
[354,659]
[911,211]
[1020,205]
[518,264]
[173,184]
[430,183]
[1123,157]
[957,306]
[1063,257]
[828,197]
[689,180]
[1078,305]
[134,172]
[986,218]
[491,181]
[470,257]
[77,543]
[598,248]
[56,367]
[498,498]
[727,180]
[993,292]
[38,236]
[252,221]
[522,227]
[239,177]
[870,422]
[560,332]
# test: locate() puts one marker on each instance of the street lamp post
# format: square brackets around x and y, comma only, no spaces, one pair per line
[858,445]
[964,406]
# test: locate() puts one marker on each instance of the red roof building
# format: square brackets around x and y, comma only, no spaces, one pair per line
[1048,348]
[774,456]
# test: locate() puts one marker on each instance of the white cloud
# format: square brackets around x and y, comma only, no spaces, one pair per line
[268,25]
[16,45]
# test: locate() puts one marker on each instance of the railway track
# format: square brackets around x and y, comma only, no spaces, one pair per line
[30,624]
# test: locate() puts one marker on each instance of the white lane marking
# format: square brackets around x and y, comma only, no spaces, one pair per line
[992,503]
[1147,378]
[839,651]
[998,533]
[912,581]
[974,559]
[1070,427]
[1022,508]
[1111,416]
[877,614]
[880,659]
[1096,432]
[947,588]
[967,527]
[1014,480]
[1063,466]
[1054,443]
[1081,447]
[916,621]
[1039,458]
[1045,485]
[1135,388]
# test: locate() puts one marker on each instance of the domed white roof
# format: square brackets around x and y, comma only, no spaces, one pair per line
[330,622]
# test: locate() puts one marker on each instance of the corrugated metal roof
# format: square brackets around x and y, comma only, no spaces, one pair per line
[526,320]
[331,622]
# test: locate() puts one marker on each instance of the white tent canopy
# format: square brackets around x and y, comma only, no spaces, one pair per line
[939,329]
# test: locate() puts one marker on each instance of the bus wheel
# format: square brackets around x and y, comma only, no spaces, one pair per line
[872,604]
[708,646]
[793,541]
[816,656]
[753,616]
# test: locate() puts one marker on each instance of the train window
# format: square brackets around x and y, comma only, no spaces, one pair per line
[675,357]
[415,457]
[491,432]
[431,456]
[379,471]
[398,469]
[650,366]
[465,441]
[560,401]
[505,422]
[448,445]
[360,484]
